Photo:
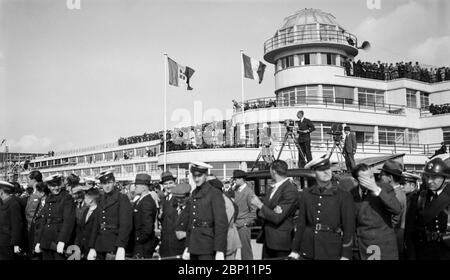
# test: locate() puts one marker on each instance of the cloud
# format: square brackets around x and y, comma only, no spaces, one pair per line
[435,51]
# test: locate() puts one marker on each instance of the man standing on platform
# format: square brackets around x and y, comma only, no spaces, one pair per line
[246,212]
[305,127]
[349,151]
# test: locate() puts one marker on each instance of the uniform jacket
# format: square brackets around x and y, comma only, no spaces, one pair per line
[173,221]
[114,222]
[350,144]
[306,124]
[247,212]
[278,229]
[144,216]
[208,225]
[57,220]
[85,230]
[374,223]
[30,209]
[332,210]
[11,223]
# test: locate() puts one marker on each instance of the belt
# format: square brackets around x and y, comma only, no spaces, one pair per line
[203,224]
[322,227]
[53,221]
[103,227]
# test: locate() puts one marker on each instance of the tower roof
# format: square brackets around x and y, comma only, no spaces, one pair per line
[310,16]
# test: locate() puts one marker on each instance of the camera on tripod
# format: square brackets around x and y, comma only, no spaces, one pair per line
[289,124]
[336,132]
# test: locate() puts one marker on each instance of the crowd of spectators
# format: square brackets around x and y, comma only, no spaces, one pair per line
[255,104]
[139,139]
[399,70]
[439,109]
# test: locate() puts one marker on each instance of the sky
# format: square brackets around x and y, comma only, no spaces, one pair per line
[72,78]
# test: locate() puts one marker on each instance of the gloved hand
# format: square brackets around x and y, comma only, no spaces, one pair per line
[16,249]
[294,255]
[186,256]
[92,255]
[120,254]
[180,234]
[37,248]
[60,247]
[344,259]
[220,256]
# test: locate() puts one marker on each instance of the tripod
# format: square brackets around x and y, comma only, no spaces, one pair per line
[337,145]
[267,156]
[290,134]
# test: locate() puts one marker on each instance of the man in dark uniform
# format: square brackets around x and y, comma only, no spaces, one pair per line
[326,219]
[57,222]
[168,216]
[11,222]
[114,223]
[428,218]
[208,224]
[305,127]
[144,217]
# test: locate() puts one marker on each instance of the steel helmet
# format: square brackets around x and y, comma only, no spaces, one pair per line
[437,167]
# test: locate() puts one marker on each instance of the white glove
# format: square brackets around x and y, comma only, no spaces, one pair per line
[344,259]
[120,254]
[294,255]
[180,234]
[60,248]
[92,255]
[16,249]
[186,255]
[37,249]
[220,256]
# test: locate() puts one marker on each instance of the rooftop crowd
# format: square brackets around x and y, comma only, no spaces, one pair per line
[439,109]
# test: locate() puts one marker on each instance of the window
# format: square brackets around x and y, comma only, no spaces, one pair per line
[446,134]
[86,172]
[313,58]
[95,171]
[424,99]
[153,166]
[128,168]
[370,97]
[301,95]
[328,94]
[313,94]
[287,62]
[98,157]
[140,167]
[411,100]
[81,159]
[412,136]
[140,152]
[328,58]
[392,136]
[344,94]
[301,59]
[108,156]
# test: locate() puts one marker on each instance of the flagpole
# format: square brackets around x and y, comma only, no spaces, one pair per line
[242,94]
[165,111]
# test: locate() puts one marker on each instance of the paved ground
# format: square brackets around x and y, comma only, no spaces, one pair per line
[257,251]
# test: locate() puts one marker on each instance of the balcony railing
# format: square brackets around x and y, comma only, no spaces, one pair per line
[308,36]
[327,102]
[435,110]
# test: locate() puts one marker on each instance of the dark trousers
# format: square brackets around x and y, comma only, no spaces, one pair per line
[349,161]
[268,253]
[306,149]
[246,249]
[50,255]
[145,250]
[202,257]
[6,253]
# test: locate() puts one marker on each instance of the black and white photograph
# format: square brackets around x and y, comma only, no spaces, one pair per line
[252,132]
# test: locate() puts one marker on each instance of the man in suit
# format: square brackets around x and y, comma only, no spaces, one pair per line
[57,222]
[349,151]
[305,127]
[114,222]
[277,212]
[11,222]
[326,219]
[144,217]
[168,216]
[88,220]
[206,236]
[246,212]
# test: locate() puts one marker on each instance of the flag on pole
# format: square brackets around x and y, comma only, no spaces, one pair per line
[4,140]
[179,75]
[253,68]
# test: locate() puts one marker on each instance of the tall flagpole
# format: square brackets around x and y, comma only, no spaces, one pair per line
[165,111]
[242,95]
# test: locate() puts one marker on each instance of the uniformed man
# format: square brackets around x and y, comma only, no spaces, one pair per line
[410,183]
[326,219]
[144,217]
[168,216]
[208,226]
[427,223]
[11,222]
[57,222]
[114,223]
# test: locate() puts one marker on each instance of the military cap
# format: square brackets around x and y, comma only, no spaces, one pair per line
[53,180]
[167,176]
[181,190]
[239,174]
[410,177]
[322,163]
[437,167]
[7,185]
[393,168]
[106,176]
[143,179]
[198,167]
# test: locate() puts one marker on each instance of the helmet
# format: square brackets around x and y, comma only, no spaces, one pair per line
[437,167]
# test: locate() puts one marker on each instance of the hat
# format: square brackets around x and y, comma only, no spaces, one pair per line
[167,176]
[393,167]
[143,179]
[106,175]
[410,177]
[53,180]
[239,174]
[198,167]
[347,128]
[322,163]
[181,189]
[7,185]
[437,167]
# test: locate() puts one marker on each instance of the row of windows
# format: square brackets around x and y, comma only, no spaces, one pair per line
[446,133]
[310,59]
[411,99]
[391,136]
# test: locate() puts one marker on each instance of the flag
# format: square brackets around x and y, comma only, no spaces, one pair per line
[253,68]
[4,140]
[179,74]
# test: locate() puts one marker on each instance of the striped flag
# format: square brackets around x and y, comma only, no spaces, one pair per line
[179,75]
[253,68]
